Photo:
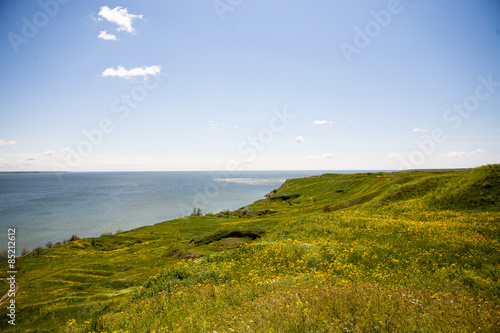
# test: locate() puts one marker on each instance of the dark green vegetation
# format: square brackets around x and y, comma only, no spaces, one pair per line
[414,251]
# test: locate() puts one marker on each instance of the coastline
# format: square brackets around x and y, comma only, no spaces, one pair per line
[48,206]
[29,172]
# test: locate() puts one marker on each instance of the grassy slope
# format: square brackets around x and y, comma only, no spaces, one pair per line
[415,251]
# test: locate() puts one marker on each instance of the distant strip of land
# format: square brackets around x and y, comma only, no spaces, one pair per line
[28,172]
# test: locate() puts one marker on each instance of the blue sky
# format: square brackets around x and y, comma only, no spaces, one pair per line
[249,85]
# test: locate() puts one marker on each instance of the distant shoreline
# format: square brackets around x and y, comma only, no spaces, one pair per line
[28,172]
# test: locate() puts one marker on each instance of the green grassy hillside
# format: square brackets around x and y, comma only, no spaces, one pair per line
[376,252]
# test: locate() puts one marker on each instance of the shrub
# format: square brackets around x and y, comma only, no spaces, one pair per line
[74,238]
[224,213]
[49,245]
[246,212]
[327,209]
[196,212]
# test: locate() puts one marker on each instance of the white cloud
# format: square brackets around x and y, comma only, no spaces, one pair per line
[394,155]
[422,130]
[216,126]
[104,35]
[120,17]
[7,143]
[299,139]
[322,122]
[31,162]
[463,153]
[120,71]
[456,154]
[318,157]
[65,150]
[327,155]
[480,151]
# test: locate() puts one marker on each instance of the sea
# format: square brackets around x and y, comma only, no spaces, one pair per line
[45,207]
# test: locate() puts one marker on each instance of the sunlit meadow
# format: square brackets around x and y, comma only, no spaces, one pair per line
[379,252]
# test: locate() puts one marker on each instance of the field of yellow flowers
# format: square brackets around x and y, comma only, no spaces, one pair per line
[410,251]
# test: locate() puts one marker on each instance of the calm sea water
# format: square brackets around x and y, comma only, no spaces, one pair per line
[52,207]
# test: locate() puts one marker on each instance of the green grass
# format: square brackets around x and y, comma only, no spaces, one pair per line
[411,251]
[4,287]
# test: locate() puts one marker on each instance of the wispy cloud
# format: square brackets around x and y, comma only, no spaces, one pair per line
[120,17]
[43,161]
[104,35]
[216,126]
[122,72]
[319,157]
[64,150]
[463,153]
[299,139]
[322,122]
[327,155]
[7,143]
[455,154]
[424,131]
[394,155]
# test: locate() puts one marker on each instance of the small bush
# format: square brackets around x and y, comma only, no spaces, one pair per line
[25,251]
[49,245]
[327,209]
[224,213]
[74,238]
[196,212]
[246,212]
